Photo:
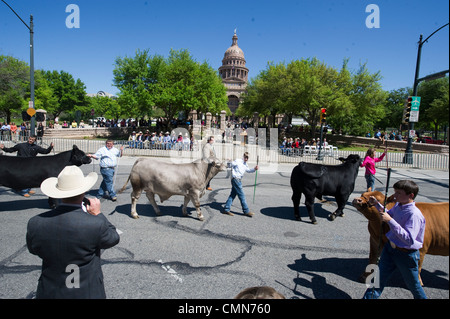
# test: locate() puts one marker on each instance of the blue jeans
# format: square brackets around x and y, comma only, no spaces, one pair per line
[370,179]
[407,263]
[107,183]
[236,189]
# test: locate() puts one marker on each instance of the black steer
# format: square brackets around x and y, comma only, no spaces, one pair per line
[315,180]
[28,172]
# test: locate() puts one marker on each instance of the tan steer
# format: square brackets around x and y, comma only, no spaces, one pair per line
[166,179]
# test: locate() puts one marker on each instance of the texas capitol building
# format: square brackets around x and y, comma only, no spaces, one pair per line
[234,74]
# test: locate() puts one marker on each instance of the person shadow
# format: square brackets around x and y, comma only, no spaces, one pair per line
[318,283]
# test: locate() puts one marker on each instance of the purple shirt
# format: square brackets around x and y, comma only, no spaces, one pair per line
[407,226]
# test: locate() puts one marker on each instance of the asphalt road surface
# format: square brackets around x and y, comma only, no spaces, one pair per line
[172,256]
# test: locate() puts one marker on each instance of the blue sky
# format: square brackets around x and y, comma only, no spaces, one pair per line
[275,31]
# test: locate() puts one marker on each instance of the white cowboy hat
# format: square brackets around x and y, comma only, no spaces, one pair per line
[69,183]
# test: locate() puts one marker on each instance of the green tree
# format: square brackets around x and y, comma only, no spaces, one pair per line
[70,94]
[138,78]
[394,105]
[267,93]
[175,84]
[314,85]
[104,106]
[14,79]
[365,105]
[434,109]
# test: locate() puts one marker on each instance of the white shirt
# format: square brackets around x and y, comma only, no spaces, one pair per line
[239,167]
[108,157]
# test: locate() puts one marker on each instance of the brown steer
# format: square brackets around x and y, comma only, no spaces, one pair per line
[436,236]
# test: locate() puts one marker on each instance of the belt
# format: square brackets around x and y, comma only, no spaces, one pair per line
[405,250]
[238,179]
[111,167]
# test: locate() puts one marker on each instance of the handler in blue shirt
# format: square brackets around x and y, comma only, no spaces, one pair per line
[108,155]
[238,168]
[407,229]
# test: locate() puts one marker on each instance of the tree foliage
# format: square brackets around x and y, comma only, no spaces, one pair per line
[354,101]
[174,84]
[14,79]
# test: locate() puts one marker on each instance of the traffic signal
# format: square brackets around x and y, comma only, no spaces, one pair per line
[407,110]
[323,115]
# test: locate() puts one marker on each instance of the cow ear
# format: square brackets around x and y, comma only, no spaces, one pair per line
[341,159]
[75,147]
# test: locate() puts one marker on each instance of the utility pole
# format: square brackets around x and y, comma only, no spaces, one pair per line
[408,158]
[31,112]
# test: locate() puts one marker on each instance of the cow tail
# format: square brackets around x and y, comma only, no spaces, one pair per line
[124,186]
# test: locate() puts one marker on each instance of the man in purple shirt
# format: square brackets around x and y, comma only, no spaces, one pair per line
[407,228]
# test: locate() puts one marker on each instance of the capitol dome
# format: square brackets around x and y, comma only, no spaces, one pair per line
[234,73]
[234,51]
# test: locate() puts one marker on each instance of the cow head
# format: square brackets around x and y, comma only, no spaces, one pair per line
[78,157]
[363,206]
[352,159]
[217,166]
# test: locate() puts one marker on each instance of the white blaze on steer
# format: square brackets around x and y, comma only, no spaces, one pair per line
[166,179]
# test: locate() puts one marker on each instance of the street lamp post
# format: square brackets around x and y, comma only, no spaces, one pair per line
[30,27]
[408,158]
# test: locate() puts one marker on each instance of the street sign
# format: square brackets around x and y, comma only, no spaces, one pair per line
[31,111]
[415,103]
[414,116]
[92,112]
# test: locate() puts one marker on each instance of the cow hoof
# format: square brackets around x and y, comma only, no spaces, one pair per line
[297,217]
[332,216]
[135,216]
[201,218]
[314,222]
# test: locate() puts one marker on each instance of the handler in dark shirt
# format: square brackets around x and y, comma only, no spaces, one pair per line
[29,149]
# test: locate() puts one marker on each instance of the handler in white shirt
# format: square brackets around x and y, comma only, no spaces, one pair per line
[108,155]
[239,167]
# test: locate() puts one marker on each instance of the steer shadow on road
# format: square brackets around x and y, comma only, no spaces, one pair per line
[148,211]
[23,203]
[287,212]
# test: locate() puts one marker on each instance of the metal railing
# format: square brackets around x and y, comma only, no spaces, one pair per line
[180,152]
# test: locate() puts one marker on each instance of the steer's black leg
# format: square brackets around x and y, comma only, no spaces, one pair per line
[310,207]
[296,201]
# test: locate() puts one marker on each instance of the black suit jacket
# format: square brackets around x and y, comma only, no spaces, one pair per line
[69,241]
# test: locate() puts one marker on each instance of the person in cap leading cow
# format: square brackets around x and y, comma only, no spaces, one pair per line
[69,239]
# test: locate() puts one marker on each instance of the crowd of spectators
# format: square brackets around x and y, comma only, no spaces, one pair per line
[10,131]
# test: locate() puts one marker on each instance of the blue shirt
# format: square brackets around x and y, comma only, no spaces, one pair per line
[108,157]
[407,226]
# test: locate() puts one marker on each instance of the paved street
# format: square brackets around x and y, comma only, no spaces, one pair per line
[180,257]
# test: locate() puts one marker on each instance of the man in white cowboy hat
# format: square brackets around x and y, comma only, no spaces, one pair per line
[69,238]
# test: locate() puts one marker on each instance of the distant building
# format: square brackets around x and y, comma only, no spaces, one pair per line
[234,74]
[102,93]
